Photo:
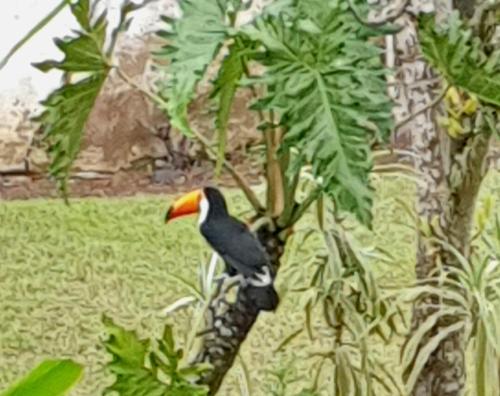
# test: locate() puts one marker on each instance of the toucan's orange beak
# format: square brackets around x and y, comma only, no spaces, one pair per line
[185,205]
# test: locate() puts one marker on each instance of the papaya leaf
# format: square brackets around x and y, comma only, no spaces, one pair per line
[457,54]
[50,378]
[325,78]
[225,86]
[66,110]
[138,367]
[128,364]
[192,42]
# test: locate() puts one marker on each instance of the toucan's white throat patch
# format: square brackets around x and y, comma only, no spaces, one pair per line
[262,279]
[203,210]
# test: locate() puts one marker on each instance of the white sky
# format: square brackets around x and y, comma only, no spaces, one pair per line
[16,19]
[18,79]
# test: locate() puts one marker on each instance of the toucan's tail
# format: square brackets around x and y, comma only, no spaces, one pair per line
[263,298]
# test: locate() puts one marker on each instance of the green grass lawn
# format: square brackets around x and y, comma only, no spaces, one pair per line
[62,267]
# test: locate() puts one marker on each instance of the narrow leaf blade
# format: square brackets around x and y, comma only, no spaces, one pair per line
[50,378]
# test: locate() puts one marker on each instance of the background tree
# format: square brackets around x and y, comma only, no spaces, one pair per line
[450,153]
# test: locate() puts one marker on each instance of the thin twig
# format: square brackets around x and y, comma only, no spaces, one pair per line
[436,100]
[124,11]
[238,178]
[395,167]
[153,97]
[414,84]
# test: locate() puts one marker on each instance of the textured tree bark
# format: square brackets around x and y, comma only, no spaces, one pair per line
[453,172]
[444,372]
[228,323]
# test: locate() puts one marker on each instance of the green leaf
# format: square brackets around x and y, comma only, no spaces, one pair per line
[128,364]
[277,7]
[66,112]
[193,41]
[67,108]
[50,378]
[326,80]
[457,54]
[136,378]
[225,86]
[487,382]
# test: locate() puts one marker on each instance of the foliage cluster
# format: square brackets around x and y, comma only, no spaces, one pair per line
[322,90]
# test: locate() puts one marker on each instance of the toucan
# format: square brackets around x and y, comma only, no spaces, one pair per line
[238,247]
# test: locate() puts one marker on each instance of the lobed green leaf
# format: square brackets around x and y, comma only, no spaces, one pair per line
[457,54]
[225,86]
[192,42]
[326,80]
[137,366]
[66,110]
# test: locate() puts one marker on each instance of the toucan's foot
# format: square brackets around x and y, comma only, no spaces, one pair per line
[220,281]
[225,277]
[231,281]
[221,303]
[236,280]
[222,277]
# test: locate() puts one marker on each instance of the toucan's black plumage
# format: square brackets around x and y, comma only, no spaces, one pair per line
[232,240]
[239,248]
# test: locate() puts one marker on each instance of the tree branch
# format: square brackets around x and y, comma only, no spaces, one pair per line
[274,174]
[275,193]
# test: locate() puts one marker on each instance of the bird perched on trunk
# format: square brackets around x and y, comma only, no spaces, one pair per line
[238,247]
